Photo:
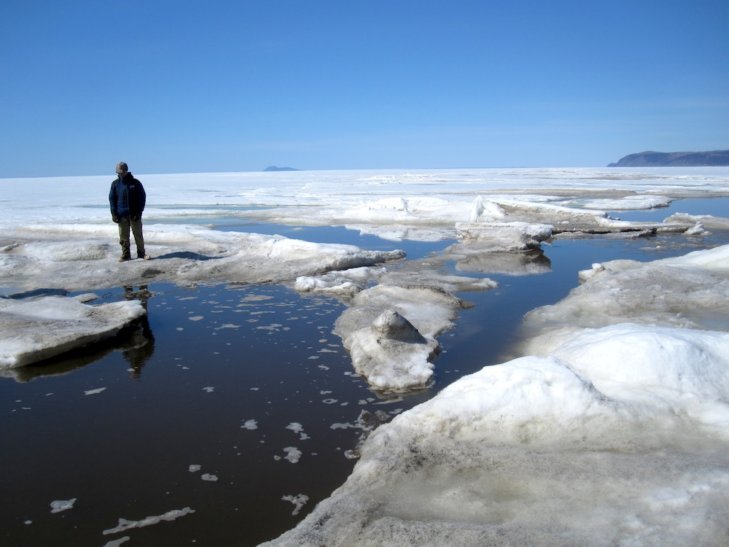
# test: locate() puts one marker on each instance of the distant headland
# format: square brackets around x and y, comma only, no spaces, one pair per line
[274,168]
[674,159]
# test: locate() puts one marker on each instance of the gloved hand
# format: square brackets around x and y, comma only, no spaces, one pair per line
[115,218]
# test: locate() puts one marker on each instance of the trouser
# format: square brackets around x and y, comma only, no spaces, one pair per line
[125,224]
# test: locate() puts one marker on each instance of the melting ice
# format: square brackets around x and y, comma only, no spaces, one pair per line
[608,426]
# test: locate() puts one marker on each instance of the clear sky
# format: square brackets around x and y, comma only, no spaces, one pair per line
[213,85]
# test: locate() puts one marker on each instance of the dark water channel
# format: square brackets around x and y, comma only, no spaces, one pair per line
[231,403]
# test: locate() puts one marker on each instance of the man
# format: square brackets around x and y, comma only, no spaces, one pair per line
[127,199]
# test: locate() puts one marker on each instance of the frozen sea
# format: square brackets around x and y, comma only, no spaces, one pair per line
[231,403]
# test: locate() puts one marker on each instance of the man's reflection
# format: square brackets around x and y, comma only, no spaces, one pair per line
[140,343]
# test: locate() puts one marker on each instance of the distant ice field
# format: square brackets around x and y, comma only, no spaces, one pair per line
[336,197]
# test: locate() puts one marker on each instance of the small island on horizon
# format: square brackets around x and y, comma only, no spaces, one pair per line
[273,168]
[713,158]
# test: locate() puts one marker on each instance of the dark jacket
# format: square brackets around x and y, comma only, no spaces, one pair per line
[127,197]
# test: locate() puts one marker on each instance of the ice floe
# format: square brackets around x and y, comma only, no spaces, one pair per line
[62,505]
[33,329]
[182,254]
[390,332]
[690,291]
[298,500]
[169,516]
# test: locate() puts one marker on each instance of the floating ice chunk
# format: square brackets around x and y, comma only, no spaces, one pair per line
[169,516]
[35,329]
[299,501]
[298,429]
[207,477]
[95,391]
[116,542]
[194,468]
[293,454]
[250,425]
[504,236]
[392,354]
[228,326]
[209,389]
[62,505]
[383,348]
[344,283]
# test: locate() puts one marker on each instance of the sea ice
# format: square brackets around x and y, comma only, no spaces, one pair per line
[615,435]
[691,291]
[169,516]
[589,438]
[390,333]
[293,454]
[299,430]
[299,501]
[33,329]
[183,254]
[62,505]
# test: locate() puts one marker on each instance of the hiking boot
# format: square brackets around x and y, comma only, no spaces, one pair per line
[124,258]
[144,257]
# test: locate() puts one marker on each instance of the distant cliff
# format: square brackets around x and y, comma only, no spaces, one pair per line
[674,159]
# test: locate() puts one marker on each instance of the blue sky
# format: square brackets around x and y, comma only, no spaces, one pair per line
[211,85]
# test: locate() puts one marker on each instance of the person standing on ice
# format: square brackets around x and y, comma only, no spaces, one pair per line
[127,199]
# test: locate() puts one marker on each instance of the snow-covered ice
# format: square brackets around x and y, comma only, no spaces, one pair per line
[691,291]
[390,333]
[183,254]
[33,329]
[615,434]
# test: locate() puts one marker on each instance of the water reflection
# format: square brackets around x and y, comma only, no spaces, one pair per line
[58,366]
[139,346]
[509,263]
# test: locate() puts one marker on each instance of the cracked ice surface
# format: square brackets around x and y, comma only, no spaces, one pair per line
[616,433]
